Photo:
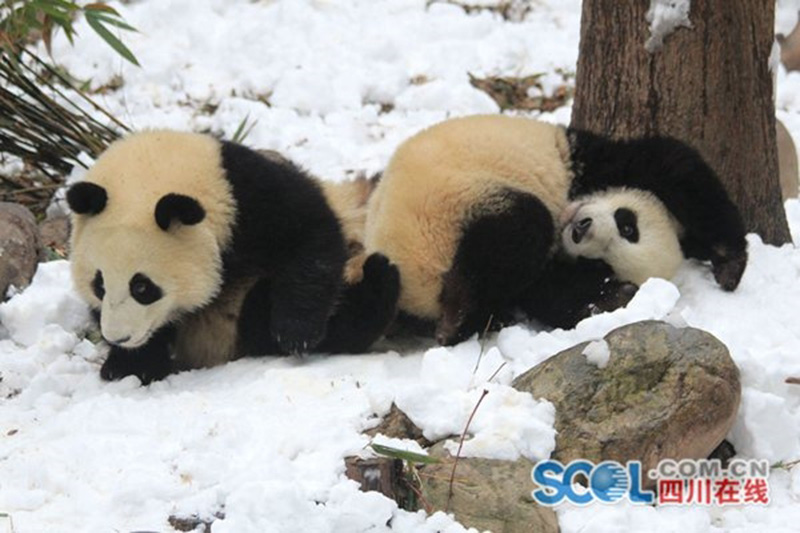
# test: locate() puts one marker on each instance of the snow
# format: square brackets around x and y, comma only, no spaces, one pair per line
[786,15]
[325,68]
[597,353]
[263,440]
[664,17]
[406,445]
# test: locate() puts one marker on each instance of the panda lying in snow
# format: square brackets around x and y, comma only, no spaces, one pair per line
[197,252]
[473,212]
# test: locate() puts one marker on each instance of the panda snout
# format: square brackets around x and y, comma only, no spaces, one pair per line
[580,228]
[117,342]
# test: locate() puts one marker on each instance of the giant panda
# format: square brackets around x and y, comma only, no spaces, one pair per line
[196,251]
[483,214]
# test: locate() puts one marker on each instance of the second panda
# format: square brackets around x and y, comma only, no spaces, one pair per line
[472,211]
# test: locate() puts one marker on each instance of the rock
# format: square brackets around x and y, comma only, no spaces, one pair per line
[55,234]
[397,425]
[488,494]
[790,49]
[380,474]
[19,247]
[194,522]
[787,161]
[665,393]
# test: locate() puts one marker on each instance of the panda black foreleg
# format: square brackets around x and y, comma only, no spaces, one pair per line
[712,225]
[304,292]
[253,329]
[570,290]
[684,182]
[499,254]
[150,362]
[366,309]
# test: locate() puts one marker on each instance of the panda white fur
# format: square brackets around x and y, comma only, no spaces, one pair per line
[629,229]
[472,211]
[196,252]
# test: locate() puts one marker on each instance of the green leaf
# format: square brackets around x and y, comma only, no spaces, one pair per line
[65,4]
[109,38]
[243,130]
[101,6]
[411,457]
[61,16]
[112,21]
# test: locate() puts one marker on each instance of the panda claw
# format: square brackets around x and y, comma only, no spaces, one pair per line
[728,271]
[119,365]
[297,337]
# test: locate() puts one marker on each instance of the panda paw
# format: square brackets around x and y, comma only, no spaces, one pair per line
[121,364]
[296,336]
[381,281]
[615,294]
[729,268]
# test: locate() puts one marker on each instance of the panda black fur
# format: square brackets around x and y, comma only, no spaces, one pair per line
[197,252]
[472,210]
[709,225]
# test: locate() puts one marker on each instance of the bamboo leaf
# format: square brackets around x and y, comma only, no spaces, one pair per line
[47,34]
[243,130]
[110,38]
[411,457]
[65,4]
[60,16]
[109,19]
[101,6]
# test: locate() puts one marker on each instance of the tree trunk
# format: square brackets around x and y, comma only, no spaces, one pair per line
[708,85]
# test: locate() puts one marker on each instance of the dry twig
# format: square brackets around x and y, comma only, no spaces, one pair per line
[460,445]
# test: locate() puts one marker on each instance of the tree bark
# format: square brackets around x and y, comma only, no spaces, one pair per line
[708,85]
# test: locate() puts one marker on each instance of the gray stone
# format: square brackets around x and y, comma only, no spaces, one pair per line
[19,247]
[665,393]
[54,234]
[397,425]
[787,161]
[488,494]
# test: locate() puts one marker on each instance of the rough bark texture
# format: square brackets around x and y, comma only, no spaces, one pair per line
[708,85]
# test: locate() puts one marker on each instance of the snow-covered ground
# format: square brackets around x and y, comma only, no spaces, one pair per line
[336,86]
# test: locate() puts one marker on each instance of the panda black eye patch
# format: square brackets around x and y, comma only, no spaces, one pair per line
[627,224]
[144,290]
[98,287]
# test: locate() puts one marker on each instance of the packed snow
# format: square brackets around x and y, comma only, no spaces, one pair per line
[260,442]
[597,353]
[664,17]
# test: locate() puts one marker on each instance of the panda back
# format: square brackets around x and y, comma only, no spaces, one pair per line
[447,175]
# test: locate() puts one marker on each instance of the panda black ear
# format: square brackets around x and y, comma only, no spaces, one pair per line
[184,209]
[85,198]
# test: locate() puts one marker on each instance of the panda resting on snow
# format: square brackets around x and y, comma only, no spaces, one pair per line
[196,252]
[485,214]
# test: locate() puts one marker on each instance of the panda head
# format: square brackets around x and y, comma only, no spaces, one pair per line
[144,249]
[629,229]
